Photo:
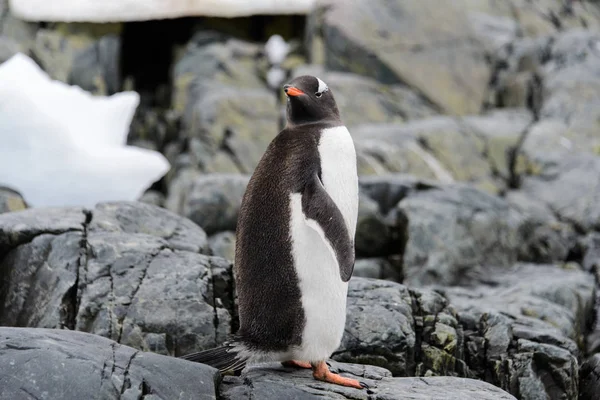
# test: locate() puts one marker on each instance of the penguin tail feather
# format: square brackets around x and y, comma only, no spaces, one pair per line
[224,358]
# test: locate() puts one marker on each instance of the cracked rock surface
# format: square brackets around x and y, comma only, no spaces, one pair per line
[131,272]
[277,382]
[61,364]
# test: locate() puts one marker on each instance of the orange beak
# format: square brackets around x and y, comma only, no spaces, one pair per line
[292,91]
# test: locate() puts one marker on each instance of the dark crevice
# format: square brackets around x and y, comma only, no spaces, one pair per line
[72,298]
[126,380]
[226,148]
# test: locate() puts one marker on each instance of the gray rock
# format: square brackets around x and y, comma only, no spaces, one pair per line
[454,231]
[212,201]
[153,197]
[276,382]
[404,41]
[223,245]
[387,190]
[569,188]
[61,364]
[476,149]
[11,200]
[590,378]
[86,55]
[378,268]
[136,217]
[8,48]
[374,237]
[543,238]
[127,271]
[217,91]
[376,102]
[530,317]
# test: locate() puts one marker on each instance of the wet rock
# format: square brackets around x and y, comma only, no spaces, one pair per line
[277,382]
[217,91]
[376,102]
[402,42]
[127,271]
[455,230]
[61,364]
[11,200]
[590,378]
[223,245]
[211,201]
[86,55]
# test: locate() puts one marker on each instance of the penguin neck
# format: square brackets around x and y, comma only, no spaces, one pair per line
[298,115]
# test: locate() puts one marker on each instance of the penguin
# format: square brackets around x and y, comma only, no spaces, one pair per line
[295,235]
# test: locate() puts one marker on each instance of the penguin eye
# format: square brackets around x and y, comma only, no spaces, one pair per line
[318,94]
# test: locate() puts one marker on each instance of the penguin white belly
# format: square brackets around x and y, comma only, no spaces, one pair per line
[323,291]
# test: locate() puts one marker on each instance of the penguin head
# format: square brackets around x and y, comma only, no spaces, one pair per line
[309,100]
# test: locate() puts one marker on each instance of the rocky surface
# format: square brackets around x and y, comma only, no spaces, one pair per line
[127,271]
[61,364]
[476,129]
[276,382]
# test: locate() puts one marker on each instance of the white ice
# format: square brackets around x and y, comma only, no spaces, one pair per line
[277,49]
[61,146]
[137,10]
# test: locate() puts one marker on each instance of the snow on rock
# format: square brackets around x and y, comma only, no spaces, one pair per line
[62,146]
[137,10]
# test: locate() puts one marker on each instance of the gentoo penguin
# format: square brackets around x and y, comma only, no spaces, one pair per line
[295,242]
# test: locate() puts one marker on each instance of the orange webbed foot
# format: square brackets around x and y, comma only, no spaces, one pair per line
[321,372]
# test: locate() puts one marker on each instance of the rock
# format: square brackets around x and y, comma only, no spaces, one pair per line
[590,378]
[61,364]
[377,268]
[10,200]
[453,232]
[90,11]
[544,239]
[223,245]
[373,234]
[403,42]
[277,382]
[474,149]
[217,91]
[211,201]
[127,271]
[81,54]
[376,102]
[153,197]
[569,188]
[529,319]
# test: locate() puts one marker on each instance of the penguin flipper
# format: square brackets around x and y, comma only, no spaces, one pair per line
[319,207]
[223,358]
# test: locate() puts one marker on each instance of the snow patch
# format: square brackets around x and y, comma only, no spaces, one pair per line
[139,10]
[62,146]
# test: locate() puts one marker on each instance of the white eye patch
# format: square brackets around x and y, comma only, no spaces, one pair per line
[322,86]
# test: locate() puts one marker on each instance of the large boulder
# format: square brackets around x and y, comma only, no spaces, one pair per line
[131,272]
[212,201]
[476,149]
[217,91]
[455,232]
[363,100]
[62,364]
[514,330]
[404,42]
